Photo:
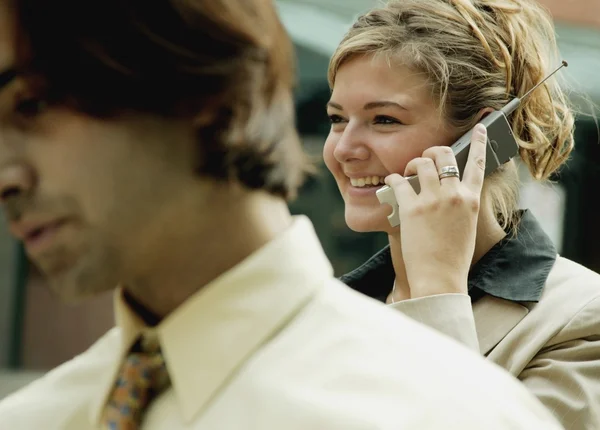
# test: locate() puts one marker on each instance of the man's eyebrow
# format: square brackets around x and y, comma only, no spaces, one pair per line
[7,77]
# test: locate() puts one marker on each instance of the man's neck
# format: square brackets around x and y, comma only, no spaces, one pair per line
[230,235]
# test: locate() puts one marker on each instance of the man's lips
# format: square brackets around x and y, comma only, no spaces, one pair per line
[36,234]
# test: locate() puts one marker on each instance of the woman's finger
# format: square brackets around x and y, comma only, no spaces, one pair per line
[426,171]
[446,166]
[403,190]
[475,169]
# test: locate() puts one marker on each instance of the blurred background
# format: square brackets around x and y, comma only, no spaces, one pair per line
[37,332]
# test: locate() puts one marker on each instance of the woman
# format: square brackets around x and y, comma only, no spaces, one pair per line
[407,80]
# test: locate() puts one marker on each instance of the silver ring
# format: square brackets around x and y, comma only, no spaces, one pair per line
[449,172]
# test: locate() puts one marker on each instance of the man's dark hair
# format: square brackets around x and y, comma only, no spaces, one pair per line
[226,65]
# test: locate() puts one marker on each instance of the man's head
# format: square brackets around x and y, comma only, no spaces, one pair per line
[119,120]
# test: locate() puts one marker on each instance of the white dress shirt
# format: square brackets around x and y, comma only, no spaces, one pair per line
[278,343]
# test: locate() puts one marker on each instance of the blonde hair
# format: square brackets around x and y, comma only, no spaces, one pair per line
[478,54]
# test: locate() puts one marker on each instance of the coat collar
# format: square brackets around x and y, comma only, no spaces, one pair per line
[515,269]
[494,319]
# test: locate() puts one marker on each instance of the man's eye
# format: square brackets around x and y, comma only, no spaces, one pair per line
[31,107]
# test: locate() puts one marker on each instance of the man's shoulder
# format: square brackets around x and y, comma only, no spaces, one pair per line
[348,322]
[67,388]
[368,320]
[344,347]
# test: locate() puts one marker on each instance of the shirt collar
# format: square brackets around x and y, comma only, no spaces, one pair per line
[515,269]
[214,332]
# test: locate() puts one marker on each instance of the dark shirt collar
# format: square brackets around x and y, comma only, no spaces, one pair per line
[145,314]
[515,269]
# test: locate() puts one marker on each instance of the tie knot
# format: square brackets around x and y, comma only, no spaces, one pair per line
[142,377]
[147,343]
[146,362]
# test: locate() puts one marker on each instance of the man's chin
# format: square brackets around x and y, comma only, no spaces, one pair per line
[68,293]
[75,277]
[73,288]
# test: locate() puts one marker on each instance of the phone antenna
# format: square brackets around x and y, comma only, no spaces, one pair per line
[514,103]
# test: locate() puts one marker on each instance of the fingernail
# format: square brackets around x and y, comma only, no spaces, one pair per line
[480,128]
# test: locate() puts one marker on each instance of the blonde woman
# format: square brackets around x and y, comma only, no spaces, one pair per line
[407,80]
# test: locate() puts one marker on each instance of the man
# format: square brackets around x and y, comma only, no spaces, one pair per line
[151,145]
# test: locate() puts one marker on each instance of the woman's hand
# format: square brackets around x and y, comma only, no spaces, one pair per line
[438,225]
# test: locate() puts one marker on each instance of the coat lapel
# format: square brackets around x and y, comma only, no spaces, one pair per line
[494,319]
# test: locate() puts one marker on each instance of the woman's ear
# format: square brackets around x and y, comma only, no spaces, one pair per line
[483,113]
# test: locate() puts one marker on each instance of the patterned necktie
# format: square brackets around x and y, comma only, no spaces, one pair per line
[142,377]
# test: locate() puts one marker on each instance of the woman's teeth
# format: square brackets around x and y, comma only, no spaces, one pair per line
[368,181]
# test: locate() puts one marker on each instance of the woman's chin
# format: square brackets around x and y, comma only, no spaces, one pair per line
[367,221]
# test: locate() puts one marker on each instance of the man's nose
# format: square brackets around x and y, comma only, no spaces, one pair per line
[16,179]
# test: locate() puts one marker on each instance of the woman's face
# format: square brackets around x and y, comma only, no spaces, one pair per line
[382,117]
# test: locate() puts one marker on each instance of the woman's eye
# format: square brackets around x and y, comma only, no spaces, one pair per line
[335,119]
[385,120]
